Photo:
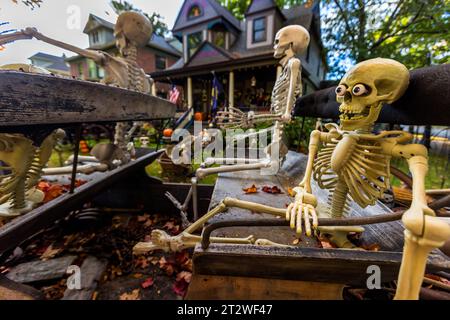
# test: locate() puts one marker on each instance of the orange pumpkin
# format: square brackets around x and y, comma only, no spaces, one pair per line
[167,132]
[198,116]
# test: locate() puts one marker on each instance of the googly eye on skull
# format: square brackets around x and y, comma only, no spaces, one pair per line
[340,90]
[359,90]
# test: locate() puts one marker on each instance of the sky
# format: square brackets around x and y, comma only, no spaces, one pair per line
[64,20]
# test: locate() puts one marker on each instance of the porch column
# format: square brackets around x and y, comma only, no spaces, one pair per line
[231,89]
[153,90]
[189,92]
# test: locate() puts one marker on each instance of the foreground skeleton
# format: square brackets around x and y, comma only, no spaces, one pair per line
[352,163]
[132,30]
[289,42]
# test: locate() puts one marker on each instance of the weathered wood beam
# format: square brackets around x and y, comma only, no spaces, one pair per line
[35,99]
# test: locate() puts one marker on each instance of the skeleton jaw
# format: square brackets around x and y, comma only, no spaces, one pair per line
[358,118]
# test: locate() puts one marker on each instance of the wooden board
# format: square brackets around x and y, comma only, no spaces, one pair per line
[33,99]
[304,261]
[242,288]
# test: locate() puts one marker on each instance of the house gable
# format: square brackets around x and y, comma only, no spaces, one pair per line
[208,53]
[194,12]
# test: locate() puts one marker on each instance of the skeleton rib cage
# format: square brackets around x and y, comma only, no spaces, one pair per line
[365,173]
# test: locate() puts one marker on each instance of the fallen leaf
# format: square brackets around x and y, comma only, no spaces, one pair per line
[154,260]
[138,275]
[371,247]
[180,287]
[50,252]
[166,266]
[134,295]
[291,192]
[185,275]
[147,283]
[437,278]
[272,190]
[53,192]
[252,189]
[296,241]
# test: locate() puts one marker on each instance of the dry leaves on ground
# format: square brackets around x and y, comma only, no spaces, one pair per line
[272,190]
[147,283]
[252,189]
[134,295]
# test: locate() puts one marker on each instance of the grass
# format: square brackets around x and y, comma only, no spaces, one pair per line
[436,171]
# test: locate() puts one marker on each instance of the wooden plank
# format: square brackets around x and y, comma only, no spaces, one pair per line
[39,270]
[23,227]
[302,264]
[244,288]
[11,290]
[33,99]
[91,270]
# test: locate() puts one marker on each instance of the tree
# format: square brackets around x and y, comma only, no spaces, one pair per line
[409,31]
[238,7]
[159,26]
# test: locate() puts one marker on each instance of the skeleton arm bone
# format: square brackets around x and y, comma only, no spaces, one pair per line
[295,69]
[424,232]
[10,37]
[97,56]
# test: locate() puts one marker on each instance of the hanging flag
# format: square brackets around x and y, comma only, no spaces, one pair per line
[174,94]
[216,88]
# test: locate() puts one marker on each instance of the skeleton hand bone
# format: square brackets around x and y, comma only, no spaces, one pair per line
[303,208]
[234,118]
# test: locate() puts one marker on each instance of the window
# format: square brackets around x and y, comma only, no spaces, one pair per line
[160,62]
[259,30]
[95,37]
[218,35]
[194,12]
[194,40]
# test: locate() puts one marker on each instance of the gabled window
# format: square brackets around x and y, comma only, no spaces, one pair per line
[160,62]
[95,38]
[259,30]
[193,42]
[194,11]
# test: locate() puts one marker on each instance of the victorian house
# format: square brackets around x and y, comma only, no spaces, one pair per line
[238,55]
[157,55]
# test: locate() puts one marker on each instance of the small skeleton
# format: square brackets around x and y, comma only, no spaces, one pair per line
[353,163]
[289,41]
[132,30]
[22,165]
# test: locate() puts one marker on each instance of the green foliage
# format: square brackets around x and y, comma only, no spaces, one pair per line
[413,32]
[159,26]
[30,3]
[238,7]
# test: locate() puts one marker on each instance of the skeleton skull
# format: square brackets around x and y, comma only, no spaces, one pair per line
[132,28]
[365,87]
[145,141]
[293,36]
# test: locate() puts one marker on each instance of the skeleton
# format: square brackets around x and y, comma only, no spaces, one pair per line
[289,41]
[22,165]
[352,163]
[132,30]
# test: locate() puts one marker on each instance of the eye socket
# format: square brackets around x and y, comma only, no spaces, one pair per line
[359,90]
[340,90]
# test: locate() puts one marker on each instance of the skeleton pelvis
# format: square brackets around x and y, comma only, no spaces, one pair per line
[342,152]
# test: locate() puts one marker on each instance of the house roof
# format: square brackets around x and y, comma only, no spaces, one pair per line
[211,9]
[156,41]
[57,62]
[95,22]
[257,6]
